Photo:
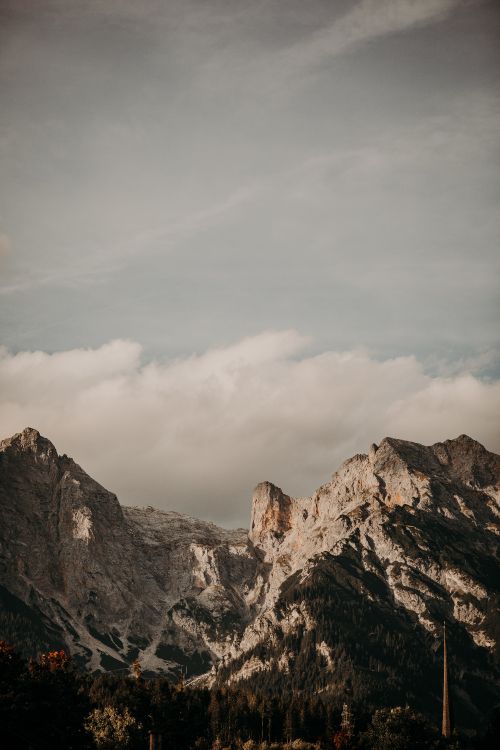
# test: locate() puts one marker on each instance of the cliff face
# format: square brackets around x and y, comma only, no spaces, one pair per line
[362,574]
[424,518]
[347,587]
[114,582]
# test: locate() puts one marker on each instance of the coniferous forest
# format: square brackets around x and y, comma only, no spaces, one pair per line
[49,703]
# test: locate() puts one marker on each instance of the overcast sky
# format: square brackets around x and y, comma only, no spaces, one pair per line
[242,240]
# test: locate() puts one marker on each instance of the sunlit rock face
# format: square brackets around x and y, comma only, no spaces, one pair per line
[396,505]
[399,540]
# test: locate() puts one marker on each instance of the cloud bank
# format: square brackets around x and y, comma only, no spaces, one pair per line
[196,434]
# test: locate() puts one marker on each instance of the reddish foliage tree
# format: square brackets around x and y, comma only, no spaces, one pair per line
[54,660]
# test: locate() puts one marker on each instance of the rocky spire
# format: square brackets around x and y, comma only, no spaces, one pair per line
[446,724]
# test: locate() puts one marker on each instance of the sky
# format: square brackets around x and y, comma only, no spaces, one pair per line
[242,241]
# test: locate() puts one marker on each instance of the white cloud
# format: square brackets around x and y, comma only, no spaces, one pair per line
[196,434]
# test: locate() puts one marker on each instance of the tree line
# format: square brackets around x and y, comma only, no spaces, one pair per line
[47,703]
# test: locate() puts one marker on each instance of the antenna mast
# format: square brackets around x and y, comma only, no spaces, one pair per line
[446,724]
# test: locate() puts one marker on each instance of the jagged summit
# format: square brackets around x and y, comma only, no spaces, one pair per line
[322,589]
[395,472]
[453,449]
[29,439]
[459,454]
[113,582]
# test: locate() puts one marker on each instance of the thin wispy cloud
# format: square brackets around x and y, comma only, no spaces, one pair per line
[366,22]
[464,133]
[189,226]
[110,260]
[282,72]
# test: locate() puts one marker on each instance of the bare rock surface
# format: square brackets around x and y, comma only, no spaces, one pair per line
[407,534]
[396,505]
[116,582]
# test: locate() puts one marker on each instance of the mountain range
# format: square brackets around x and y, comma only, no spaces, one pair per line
[344,592]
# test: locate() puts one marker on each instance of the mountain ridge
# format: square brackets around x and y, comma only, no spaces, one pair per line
[406,533]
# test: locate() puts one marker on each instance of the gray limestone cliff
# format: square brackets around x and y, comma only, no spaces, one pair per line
[399,540]
[360,576]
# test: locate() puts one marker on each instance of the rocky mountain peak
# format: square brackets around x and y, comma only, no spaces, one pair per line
[271,513]
[468,461]
[404,469]
[108,582]
[29,441]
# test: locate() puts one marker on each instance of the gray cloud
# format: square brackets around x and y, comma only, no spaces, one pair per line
[197,433]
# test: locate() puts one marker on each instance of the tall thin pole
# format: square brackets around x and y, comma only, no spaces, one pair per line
[446,725]
[155,740]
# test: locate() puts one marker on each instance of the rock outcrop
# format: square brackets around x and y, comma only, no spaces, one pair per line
[367,569]
[347,587]
[116,583]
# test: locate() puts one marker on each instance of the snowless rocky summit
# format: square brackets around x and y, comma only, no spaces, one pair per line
[399,540]
[111,582]
[399,507]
